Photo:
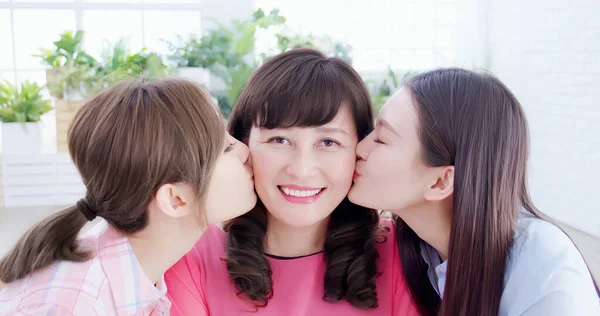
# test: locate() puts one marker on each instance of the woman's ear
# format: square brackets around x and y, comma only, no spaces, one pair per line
[175,199]
[441,185]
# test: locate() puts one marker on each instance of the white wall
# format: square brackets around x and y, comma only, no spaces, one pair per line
[548,53]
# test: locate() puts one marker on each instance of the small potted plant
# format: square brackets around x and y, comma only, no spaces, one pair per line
[71,67]
[223,59]
[118,63]
[193,57]
[20,111]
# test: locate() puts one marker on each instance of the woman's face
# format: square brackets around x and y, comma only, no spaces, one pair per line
[390,173]
[230,191]
[302,174]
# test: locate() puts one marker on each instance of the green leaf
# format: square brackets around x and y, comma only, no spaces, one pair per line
[24,105]
[66,45]
[20,117]
[258,14]
[78,37]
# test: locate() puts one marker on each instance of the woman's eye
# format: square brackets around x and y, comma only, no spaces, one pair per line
[330,143]
[279,140]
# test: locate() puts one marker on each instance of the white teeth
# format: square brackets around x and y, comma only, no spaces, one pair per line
[300,193]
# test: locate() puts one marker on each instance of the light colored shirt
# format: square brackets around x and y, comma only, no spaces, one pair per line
[110,283]
[545,273]
[199,284]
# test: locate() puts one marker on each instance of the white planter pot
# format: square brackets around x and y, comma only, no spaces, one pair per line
[199,75]
[21,138]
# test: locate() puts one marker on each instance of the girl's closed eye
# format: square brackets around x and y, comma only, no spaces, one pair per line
[230,147]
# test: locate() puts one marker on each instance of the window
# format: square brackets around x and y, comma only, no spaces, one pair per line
[28,25]
[403,34]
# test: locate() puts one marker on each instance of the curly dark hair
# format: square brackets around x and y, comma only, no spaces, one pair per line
[303,88]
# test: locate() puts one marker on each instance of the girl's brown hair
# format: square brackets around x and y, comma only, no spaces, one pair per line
[303,88]
[473,122]
[126,142]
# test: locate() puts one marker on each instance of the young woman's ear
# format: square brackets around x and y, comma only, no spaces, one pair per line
[174,199]
[441,185]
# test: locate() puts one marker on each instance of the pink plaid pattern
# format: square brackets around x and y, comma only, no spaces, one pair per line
[111,283]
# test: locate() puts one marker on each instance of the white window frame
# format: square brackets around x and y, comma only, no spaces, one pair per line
[79,6]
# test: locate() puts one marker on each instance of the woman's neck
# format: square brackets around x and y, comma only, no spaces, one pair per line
[286,241]
[432,223]
[158,247]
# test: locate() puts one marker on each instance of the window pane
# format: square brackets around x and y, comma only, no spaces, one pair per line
[7,75]
[444,58]
[165,25]
[41,1]
[38,76]
[402,36]
[424,12]
[114,1]
[38,28]
[111,25]
[372,59]
[445,37]
[423,35]
[423,59]
[176,1]
[445,13]
[403,59]
[6,49]
[402,29]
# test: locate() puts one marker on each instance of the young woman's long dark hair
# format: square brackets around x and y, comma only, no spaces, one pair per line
[472,121]
[303,88]
[126,142]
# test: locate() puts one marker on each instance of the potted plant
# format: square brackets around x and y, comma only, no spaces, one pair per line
[192,57]
[287,40]
[225,54]
[222,59]
[118,63]
[20,111]
[71,67]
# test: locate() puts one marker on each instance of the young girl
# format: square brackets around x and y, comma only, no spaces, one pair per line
[449,158]
[158,168]
[304,249]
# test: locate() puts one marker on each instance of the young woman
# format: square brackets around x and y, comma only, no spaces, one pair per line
[448,157]
[304,249]
[158,167]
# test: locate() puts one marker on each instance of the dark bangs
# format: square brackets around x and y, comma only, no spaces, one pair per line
[301,88]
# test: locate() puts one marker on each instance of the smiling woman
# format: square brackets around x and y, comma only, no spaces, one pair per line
[303,174]
[301,115]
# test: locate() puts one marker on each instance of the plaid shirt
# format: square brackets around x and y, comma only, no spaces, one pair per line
[110,283]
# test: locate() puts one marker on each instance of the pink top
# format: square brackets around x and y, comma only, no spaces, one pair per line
[199,284]
[110,283]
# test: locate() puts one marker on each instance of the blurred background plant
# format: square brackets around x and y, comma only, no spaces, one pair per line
[24,105]
[226,51]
